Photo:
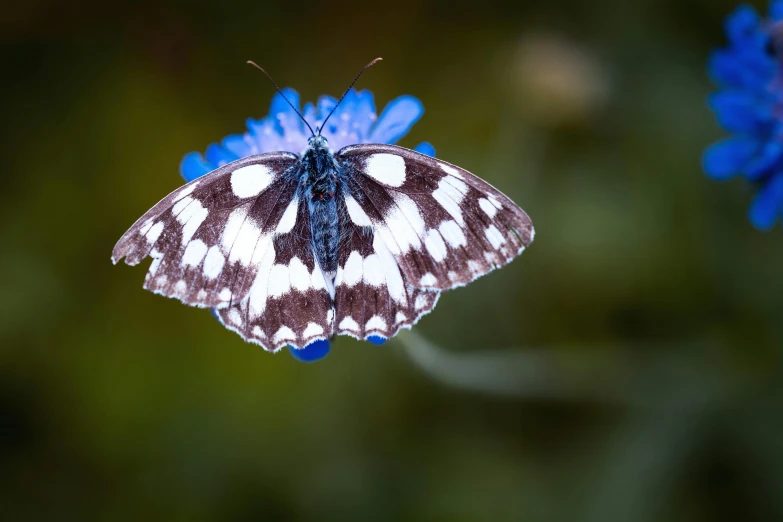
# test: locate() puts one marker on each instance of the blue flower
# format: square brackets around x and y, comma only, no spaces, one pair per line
[749,105]
[354,121]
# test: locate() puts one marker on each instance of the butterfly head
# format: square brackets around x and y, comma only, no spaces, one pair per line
[317,141]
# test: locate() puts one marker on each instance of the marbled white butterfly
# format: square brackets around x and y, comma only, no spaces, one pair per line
[291,249]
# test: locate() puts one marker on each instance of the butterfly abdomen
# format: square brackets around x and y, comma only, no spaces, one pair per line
[324,218]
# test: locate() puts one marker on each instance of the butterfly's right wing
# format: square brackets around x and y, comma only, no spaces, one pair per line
[444,226]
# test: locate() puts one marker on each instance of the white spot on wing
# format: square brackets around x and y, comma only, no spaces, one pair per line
[372,272]
[145,227]
[452,233]
[357,215]
[421,302]
[488,208]
[376,322]
[400,318]
[494,236]
[194,253]
[400,228]
[428,280]
[352,272]
[213,263]
[448,197]
[391,271]
[181,205]
[312,330]
[258,292]
[231,230]
[154,232]
[191,217]
[348,324]
[246,243]
[299,275]
[225,294]
[411,211]
[284,334]
[186,191]
[288,220]
[317,279]
[181,287]
[249,181]
[154,265]
[235,317]
[435,245]
[279,282]
[448,169]
[388,169]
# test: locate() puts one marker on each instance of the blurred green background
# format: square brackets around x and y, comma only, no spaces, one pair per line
[625,368]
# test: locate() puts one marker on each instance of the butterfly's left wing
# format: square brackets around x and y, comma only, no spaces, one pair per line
[238,240]
[443,225]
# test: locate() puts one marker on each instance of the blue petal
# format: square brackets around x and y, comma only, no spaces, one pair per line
[314,351]
[377,340]
[776,10]
[740,111]
[766,159]
[193,165]
[364,113]
[236,145]
[425,147]
[726,158]
[280,108]
[340,129]
[744,21]
[744,70]
[219,156]
[325,106]
[397,118]
[766,207]
[310,115]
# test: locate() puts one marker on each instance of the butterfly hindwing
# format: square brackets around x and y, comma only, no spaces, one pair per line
[288,300]
[443,225]
[372,295]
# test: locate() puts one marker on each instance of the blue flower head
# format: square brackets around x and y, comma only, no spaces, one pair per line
[749,105]
[354,121]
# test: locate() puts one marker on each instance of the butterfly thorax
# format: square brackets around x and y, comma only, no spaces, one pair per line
[320,178]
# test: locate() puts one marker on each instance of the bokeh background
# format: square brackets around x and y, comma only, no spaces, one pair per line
[625,368]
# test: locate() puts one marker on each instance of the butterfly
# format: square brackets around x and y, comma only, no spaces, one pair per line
[289,249]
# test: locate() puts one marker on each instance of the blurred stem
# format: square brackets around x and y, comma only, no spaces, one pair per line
[665,379]
[517,373]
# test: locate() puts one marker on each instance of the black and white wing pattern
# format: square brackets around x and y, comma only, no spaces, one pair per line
[238,240]
[437,224]
[373,297]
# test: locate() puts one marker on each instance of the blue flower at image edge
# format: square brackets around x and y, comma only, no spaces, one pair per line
[749,105]
[354,121]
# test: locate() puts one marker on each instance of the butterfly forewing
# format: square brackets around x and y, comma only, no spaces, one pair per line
[444,226]
[224,240]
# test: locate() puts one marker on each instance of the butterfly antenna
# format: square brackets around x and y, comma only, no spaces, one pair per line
[348,89]
[254,64]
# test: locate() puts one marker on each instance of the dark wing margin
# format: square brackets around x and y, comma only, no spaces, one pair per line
[218,241]
[444,226]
